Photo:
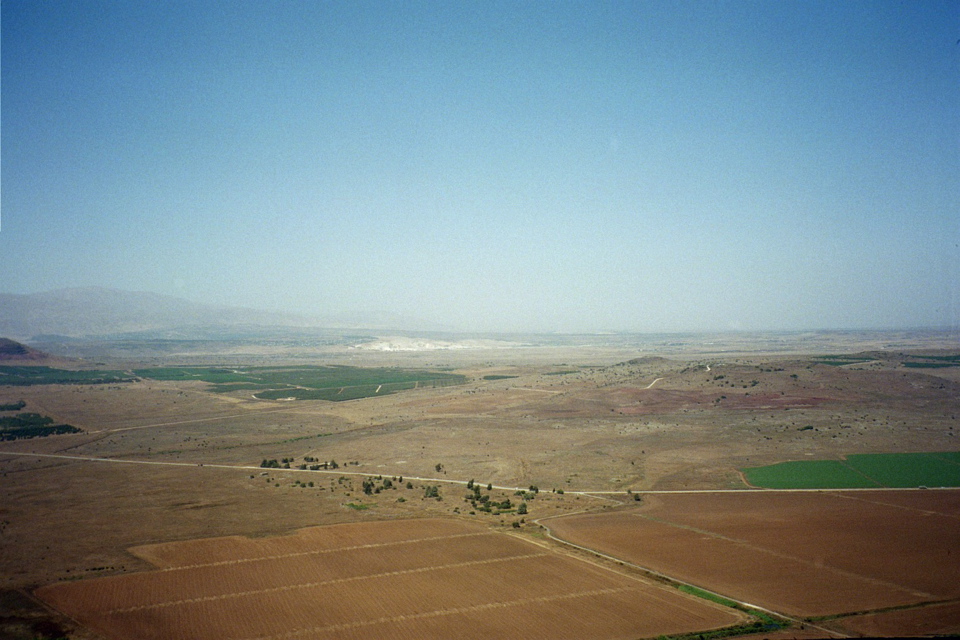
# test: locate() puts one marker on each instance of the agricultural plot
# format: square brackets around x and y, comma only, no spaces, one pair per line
[19,376]
[887,470]
[932,362]
[334,383]
[910,361]
[400,579]
[842,360]
[847,560]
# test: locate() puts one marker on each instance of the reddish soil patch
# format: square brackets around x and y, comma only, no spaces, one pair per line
[401,579]
[805,554]
[651,401]
[639,401]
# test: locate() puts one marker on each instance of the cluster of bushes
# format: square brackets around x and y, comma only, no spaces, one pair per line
[530,494]
[483,502]
[13,406]
[326,464]
[285,463]
[370,485]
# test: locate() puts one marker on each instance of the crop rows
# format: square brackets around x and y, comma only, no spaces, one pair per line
[426,578]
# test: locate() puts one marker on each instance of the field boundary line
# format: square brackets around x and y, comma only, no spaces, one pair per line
[310,585]
[898,607]
[160,463]
[296,554]
[900,506]
[846,463]
[755,489]
[590,494]
[936,456]
[173,424]
[445,612]
[672,581]
[785,556]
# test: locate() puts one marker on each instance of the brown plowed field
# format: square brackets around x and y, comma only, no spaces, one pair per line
[938,619]
[801,553]
[400,579]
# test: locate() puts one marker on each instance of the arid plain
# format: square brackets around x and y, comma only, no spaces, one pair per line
[598,426]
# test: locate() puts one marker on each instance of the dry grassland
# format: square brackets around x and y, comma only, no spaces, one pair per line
[403,579]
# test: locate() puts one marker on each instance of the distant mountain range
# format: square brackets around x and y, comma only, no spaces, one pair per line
[12,351]
[96,312]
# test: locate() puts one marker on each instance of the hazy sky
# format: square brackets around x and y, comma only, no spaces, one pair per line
[571,166]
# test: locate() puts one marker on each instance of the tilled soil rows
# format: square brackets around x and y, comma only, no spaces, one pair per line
[805,554]
[400,579]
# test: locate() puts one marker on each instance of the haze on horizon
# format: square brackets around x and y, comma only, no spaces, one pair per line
[496,166]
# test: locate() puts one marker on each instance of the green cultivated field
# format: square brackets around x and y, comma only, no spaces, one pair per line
[205,374]
[841,360]
[298,382]
[933,362]
[26,376]
[334,383]
[885,470]
[911,361]
[910,469]
[807,474]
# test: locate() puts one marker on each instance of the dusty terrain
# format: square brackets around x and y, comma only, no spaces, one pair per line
[163,462]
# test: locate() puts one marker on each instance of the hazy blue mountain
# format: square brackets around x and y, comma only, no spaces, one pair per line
[97,312]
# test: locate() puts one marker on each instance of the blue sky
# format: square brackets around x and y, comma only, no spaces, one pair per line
[556,166]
